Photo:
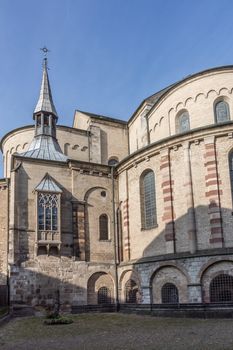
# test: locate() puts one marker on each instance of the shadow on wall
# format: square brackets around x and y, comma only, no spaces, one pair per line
[193,265]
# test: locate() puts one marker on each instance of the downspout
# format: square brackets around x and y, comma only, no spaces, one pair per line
[115,240]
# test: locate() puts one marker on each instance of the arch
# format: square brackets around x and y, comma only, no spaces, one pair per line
[212,92]
[172,275]
[212,270]
[221,289]
[221,110]
[169,294]
[42,250]
[92,189]
[148,199]
[160,120]
[95,282]
[182,121]
[155,126]
[188,100]
[198,96]
[53,251]
[103,227]
[131,292]
[75,147]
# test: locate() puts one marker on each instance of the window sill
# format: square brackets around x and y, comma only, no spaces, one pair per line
[105,240]
[149,228]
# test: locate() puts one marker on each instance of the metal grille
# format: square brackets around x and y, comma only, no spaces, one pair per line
[148,200]
[104,296]
[169,294]
[103,227]
[131,291]
[222,113]
[183,122]
[221,289]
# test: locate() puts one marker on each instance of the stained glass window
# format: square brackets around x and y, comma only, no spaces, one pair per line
[103,227]
[48,211]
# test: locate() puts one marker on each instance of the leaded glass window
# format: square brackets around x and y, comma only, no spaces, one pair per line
[221,289]
[48,204]
[183,122]
[222,113]
[103,227]
[169,294]
[148,201]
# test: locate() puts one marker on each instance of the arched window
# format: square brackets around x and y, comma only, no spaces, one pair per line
[48,205]
[221,289]
[222,112]
[148,201]
[131,292]
[104,296]
[183,122]
[169,294]
[231,171]
[103,227]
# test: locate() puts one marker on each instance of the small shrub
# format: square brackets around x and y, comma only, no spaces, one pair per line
[57,320]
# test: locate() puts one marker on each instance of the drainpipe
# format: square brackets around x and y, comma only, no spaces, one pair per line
[115,240]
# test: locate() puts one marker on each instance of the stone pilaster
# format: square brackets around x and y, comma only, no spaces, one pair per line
[126,229]
[79,231]
[213,193]
[168,213]
[188,191]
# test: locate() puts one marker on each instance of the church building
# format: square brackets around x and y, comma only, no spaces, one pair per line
[117,212]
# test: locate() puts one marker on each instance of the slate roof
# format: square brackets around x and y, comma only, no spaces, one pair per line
[45,102]
[48,185]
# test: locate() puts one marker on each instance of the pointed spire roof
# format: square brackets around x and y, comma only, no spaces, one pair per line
[45,102]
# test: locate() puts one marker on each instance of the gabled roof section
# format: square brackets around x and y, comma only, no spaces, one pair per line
[45,102]
[48,185]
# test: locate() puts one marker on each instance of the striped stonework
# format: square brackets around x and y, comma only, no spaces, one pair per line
[213,193]
[168,213]
[126,229]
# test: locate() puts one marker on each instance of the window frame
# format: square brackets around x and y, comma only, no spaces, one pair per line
[218,101]
[178,121]
[107,226]
[143,200]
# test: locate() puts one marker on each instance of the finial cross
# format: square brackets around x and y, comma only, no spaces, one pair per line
[45,51]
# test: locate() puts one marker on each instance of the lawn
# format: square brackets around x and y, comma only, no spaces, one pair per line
[117,331]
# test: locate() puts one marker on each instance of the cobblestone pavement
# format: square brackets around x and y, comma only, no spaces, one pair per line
[118,331]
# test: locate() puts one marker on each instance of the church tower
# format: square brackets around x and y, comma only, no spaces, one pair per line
[44,144]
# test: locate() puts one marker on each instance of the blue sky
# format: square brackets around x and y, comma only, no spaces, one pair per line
[106,55]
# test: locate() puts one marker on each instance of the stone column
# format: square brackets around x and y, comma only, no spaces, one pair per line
[126,223]
[188,190]
[168,213]
[213,192]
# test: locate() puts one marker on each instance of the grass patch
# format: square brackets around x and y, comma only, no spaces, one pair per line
[3,311]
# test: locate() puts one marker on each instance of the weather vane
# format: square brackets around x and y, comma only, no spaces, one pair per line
[45,51]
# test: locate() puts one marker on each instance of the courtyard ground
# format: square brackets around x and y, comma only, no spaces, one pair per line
[117,331]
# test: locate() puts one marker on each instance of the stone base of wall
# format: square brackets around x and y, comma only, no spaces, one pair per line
[181,310]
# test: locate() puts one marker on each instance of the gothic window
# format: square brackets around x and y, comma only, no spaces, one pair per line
[169,294]
[131,292]
[222,112]
[48,205]
[221,289]
[104,296]
[103,227]
[148,200]
[183,122]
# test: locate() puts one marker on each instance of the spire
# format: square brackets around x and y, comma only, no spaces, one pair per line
[44,144]
[45,102]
